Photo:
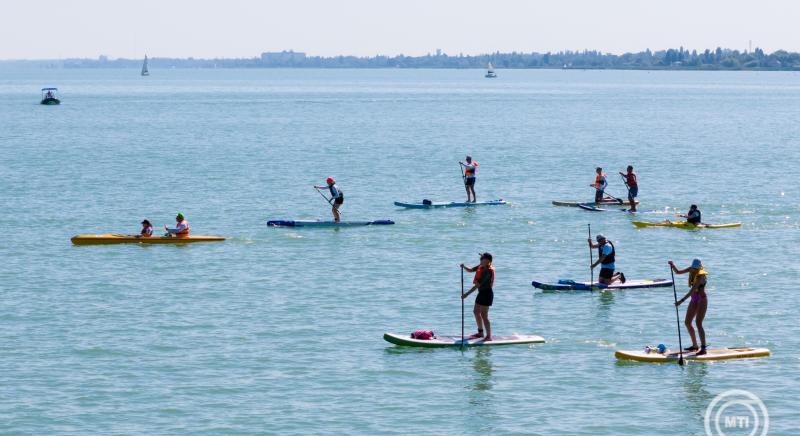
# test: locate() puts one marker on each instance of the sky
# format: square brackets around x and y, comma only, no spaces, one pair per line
[49,29]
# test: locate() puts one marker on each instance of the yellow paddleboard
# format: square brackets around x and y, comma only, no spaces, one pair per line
[684,225]
[134,239]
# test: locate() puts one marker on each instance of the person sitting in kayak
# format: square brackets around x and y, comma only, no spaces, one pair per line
[694,216]
[600,184]
[470,171]
[606,258]
[147,229]
[181,229]
[337,197]
[483,282]
[632,182]
[698,304]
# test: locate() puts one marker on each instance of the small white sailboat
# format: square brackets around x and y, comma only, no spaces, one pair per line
[145,71]
[490,74]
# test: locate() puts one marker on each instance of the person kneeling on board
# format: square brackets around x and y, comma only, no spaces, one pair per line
[470,173]
[181,229]
[606,257]
[337,197]
[694,216]
[147,230]
[483,282]
[698,304]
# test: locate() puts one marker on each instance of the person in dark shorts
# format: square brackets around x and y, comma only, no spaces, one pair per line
[483,282]
[632,182]
[470,173]
[337,197]
[606,258]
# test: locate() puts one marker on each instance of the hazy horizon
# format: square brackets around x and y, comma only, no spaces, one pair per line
[52,29]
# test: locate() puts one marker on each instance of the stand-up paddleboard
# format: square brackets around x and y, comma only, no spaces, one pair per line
[317,223]
[134,239]
[591,208]
[426,204]
[684,225]
[572,285]
[606,202]
[672,356]
[449,341]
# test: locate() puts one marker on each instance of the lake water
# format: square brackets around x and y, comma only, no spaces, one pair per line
[280,330]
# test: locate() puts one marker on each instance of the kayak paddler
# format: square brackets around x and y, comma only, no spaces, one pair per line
[694,216]
[336,199]
[632,182]
[483,282]
[181,229]
[470,173]
[147,229]
[606,257]
[600,184]
[698,304]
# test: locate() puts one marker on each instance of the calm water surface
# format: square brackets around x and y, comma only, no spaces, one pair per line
[280,330]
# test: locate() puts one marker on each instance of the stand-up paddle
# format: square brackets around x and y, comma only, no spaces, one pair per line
[609,195]
[677,318]
[329,200]
[462,308]
[591,260]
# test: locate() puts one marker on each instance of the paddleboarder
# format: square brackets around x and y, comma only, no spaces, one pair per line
[606,259]
[698,304]
[337,197]
[600,184]
[147,229]
[632,182]
[483,282]
[470,173]
[694,216]
[181,229]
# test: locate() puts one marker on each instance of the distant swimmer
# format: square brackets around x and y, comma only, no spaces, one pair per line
[337,197]
[632,182]
[181,229]
[484,283]
[694,216]
[147,229]
[606,259]
[469,175]
[698,304]
[600,184]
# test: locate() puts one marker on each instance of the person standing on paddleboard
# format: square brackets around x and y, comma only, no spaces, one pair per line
[483,282]
[181,229]
[337,197]
[600,184]
[606,258]
[698,304]
[694,216]
[470,173]
[632,182]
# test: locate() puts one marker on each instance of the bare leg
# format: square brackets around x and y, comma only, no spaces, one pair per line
[478,320]
[702,306]
[474,197]
[690,314]
[335,211]
[633,202]
[467,188]
[486,324]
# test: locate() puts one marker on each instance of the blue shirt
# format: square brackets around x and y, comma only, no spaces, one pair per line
[606,250]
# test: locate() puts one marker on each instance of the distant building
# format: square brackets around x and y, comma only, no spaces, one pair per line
[438,52]
[283,57]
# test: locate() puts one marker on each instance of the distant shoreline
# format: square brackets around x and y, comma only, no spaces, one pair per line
[663,60]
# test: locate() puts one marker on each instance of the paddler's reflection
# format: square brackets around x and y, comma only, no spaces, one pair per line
[697,397]
[483,369]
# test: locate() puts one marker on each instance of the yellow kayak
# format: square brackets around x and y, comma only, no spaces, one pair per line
[135,239]
[673,356]
[684,225]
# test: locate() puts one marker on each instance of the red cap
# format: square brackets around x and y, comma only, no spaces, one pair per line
[330,180]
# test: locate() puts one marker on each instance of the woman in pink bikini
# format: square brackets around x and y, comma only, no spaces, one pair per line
[698,304]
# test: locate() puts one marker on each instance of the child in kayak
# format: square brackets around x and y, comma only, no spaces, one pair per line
[698,304]
[605,258]
[181,229]
[632,182]
[483,282]
[337,197]
[600,184]
[694,216]
[147,229]
[470,173]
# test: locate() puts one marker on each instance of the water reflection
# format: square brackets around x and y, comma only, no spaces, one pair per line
[697,397]
[483,370]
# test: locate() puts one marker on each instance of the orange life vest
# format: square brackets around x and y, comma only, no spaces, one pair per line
[185,232]
[479,273]
[597,179]
[470,172]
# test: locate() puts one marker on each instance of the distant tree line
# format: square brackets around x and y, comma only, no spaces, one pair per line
[672,59]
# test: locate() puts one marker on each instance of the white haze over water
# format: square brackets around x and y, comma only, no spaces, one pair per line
[236,28]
